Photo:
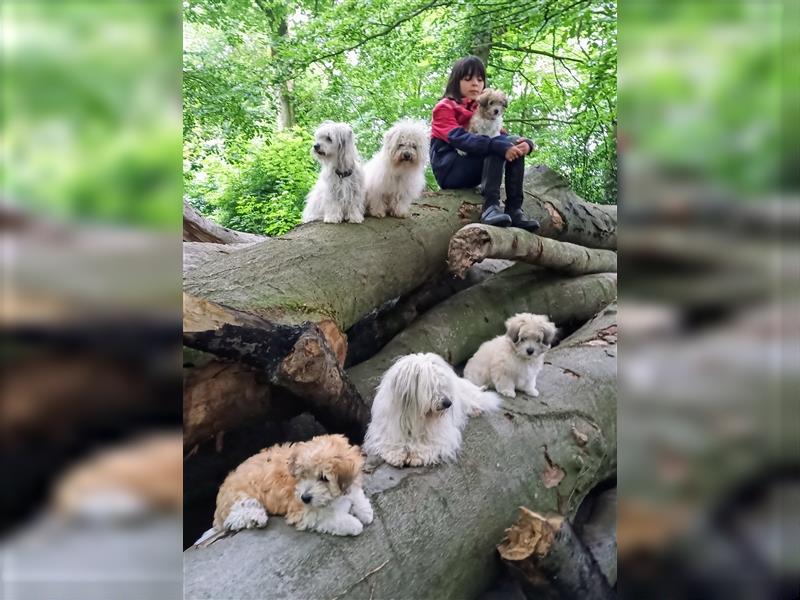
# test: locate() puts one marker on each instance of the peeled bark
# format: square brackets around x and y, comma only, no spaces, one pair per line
[476,242]
[446,518]
[196,228]
[550,561]
[297,357]
[456,328]
[565,216]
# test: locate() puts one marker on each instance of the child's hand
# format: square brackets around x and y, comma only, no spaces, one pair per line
[526,148]
[514,152]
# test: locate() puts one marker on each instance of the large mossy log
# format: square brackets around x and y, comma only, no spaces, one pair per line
[564,215]
[435,529]
[476,242]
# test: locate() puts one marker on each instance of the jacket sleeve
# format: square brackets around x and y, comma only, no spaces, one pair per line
[479,145]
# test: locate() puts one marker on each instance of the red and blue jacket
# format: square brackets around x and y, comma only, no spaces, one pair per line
[449,133]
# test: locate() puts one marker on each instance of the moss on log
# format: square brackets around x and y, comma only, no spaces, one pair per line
[456,328]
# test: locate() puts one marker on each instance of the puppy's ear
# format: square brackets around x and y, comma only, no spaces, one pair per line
[505,101]
[484,98]
[345,472]
[513,325]
[292,463]
[552,335]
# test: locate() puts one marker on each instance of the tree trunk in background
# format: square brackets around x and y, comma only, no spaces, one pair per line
[285,109]
[447,518]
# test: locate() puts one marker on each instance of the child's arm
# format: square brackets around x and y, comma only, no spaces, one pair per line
[445,127]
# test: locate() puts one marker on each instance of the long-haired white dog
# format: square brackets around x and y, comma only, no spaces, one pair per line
[512,361]
[338,194]
[395,176]
[420,409]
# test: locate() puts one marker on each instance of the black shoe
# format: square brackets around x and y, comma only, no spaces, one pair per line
[518,220]
[494,216]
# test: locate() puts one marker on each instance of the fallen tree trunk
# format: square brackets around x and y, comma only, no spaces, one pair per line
[373,332]
[456,328]
[446,518]
[475,242]
[565,216]
[197,253]
[196,228]
[550,561]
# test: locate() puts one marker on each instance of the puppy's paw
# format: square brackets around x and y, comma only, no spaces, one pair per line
[508,392]
[364,513]
[534,392]
[414,460]
[332,219]
[356,218]
[401,214]
[246,513]
[396,458]
[348,525]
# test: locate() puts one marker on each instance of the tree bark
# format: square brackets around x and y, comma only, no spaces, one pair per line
[550,561]
[565,216]
[476,242]
[300,358]
[324,278]
[197,253]
[196,228]
[372,333]
[456,328]
[221,396]
[446,518]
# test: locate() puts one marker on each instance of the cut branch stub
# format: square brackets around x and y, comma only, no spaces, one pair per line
[550,561]
[476,242]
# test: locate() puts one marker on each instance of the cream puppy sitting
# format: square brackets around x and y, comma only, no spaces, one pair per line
[315,484]
[512,361]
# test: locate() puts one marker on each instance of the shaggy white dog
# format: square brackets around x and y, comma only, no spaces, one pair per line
[512,361]
[395,176]
[338,194]
[420,409]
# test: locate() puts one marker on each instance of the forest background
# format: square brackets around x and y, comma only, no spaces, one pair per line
[260,75]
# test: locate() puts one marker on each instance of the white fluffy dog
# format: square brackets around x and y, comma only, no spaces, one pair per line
[420,409]
[338,194]
[395,176]
[512,361]
[315,484]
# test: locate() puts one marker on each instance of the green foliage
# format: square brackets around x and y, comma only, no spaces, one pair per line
[265,193]
[369,63]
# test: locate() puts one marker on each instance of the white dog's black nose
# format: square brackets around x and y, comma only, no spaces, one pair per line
[406,156]
[446,403]
[529,351]
[316,146]
[306,498]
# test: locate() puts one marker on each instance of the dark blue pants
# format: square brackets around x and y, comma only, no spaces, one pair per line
[486,172]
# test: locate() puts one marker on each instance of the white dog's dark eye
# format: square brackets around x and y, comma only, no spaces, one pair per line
[327,138]
[323,478]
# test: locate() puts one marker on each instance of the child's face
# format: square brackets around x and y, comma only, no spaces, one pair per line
[471,87]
